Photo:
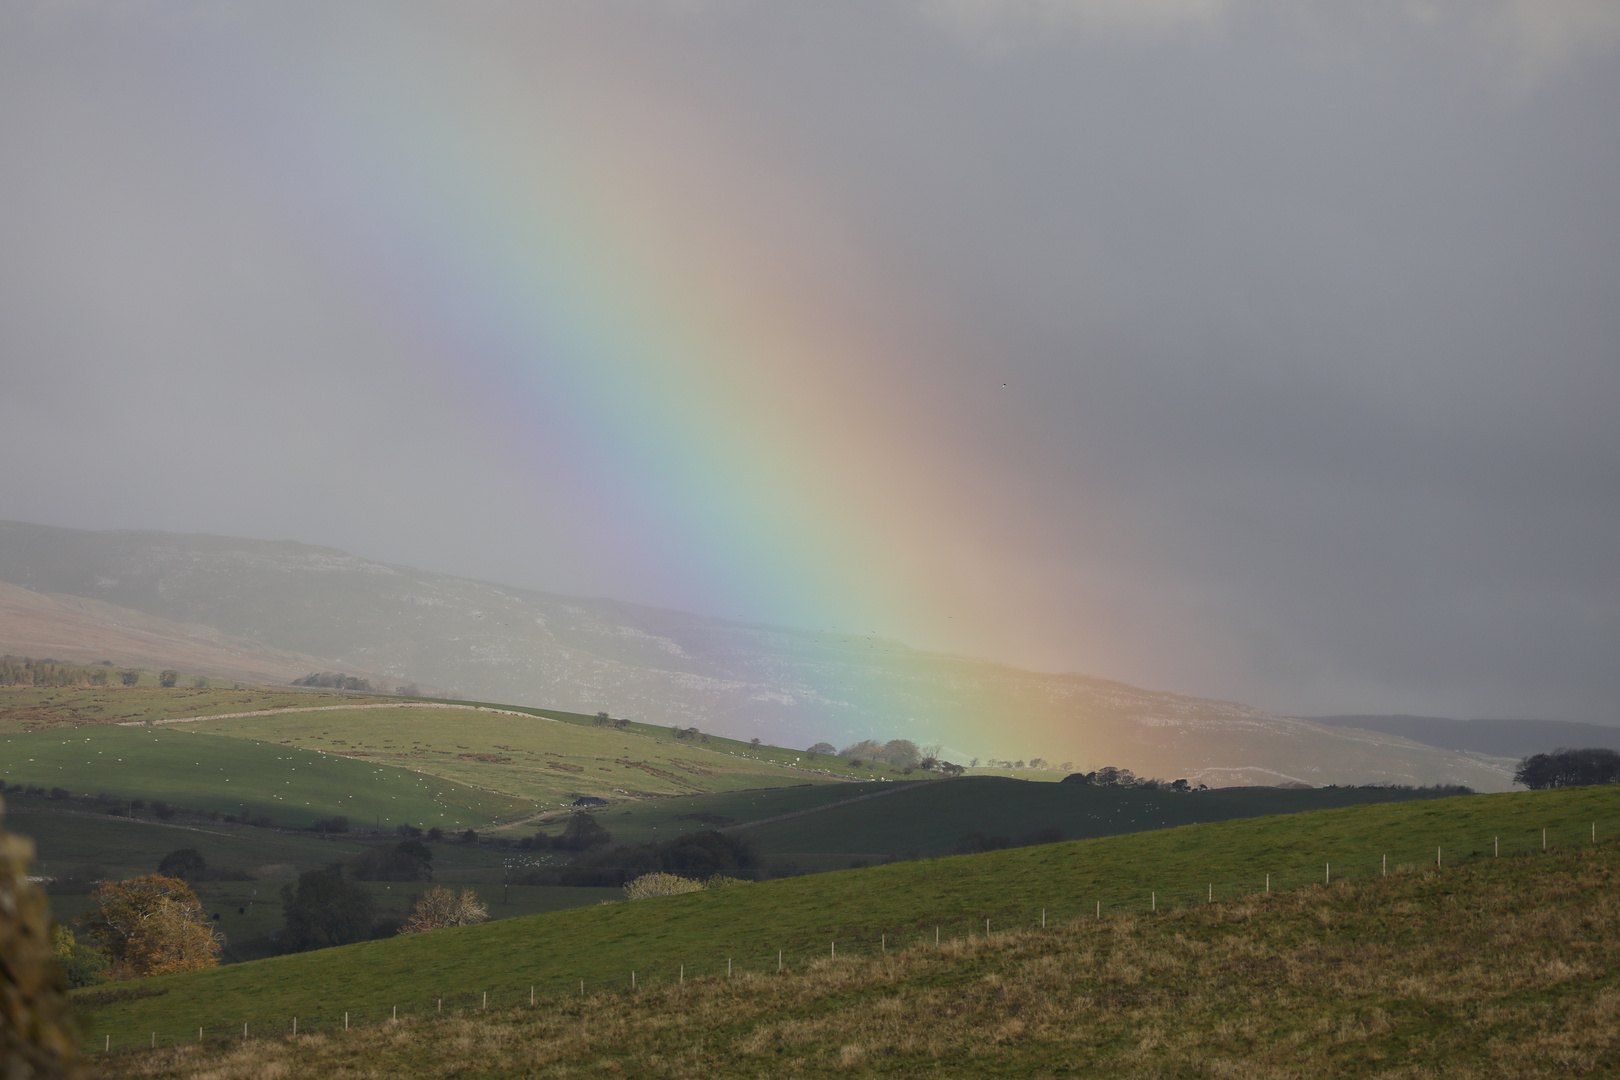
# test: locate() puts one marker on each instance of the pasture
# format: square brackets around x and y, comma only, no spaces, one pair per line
[541,760]
[243,776]
[1491,968]
[866,911]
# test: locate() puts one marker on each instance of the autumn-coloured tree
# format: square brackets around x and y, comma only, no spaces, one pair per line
[151,925]
[440,907]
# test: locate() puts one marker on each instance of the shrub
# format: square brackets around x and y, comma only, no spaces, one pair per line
[82,964]
[439,907]
[660,884]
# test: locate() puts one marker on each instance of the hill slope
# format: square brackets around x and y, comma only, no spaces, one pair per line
[788,686]
[1503,967]
[81,630]
[861,910]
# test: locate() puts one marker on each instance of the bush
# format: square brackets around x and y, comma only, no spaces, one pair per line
[659,883]
[82,964]
[439,907]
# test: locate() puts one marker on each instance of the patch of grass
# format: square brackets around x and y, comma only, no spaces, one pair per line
[30,708]
[1128,875]
[1502,967]
[189,768]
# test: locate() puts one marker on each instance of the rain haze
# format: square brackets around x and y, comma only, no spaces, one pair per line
[1256,350]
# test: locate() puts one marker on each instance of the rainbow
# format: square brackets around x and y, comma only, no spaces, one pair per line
[599,282]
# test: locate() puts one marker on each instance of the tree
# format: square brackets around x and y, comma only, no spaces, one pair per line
[440,907]
[620,723]
[129,678]
[582,833]
[325,909]
[822,748]
[602,720]
[901,752]
[151,925]
[408,860]
[754,741]
[184,863]
[1568,768]
[169,677]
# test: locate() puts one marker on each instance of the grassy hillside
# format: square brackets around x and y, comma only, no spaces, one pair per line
[863,911]
[241,776]
[1503,967]
[536,758]
[928,819]
[1485,971]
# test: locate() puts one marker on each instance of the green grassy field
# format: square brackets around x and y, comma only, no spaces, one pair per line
[547,762]
[928,820]
[29,708]
[1503,967]
[187,767]
[862,911]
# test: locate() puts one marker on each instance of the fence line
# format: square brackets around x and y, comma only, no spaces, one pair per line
[1144,902]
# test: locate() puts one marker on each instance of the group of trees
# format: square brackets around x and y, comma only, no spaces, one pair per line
[617,723]
[692,733]
[22,671]
[1109,776]
[408,860]
[333,680]
[1568,768]
[659,883]
[580,833]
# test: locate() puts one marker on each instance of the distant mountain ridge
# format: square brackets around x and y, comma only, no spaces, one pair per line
[792,687]
[1498,738]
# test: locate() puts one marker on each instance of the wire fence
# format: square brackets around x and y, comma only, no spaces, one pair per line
[1146,899]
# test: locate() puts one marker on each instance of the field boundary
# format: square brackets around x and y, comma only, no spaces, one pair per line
[334,708]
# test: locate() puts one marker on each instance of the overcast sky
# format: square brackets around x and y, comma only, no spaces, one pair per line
[1308,314]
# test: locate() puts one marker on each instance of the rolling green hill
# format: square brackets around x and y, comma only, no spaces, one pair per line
[863,911]
[1495,968]
[242,776]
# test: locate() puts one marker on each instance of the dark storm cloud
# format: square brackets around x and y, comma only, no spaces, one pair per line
[1308,318]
